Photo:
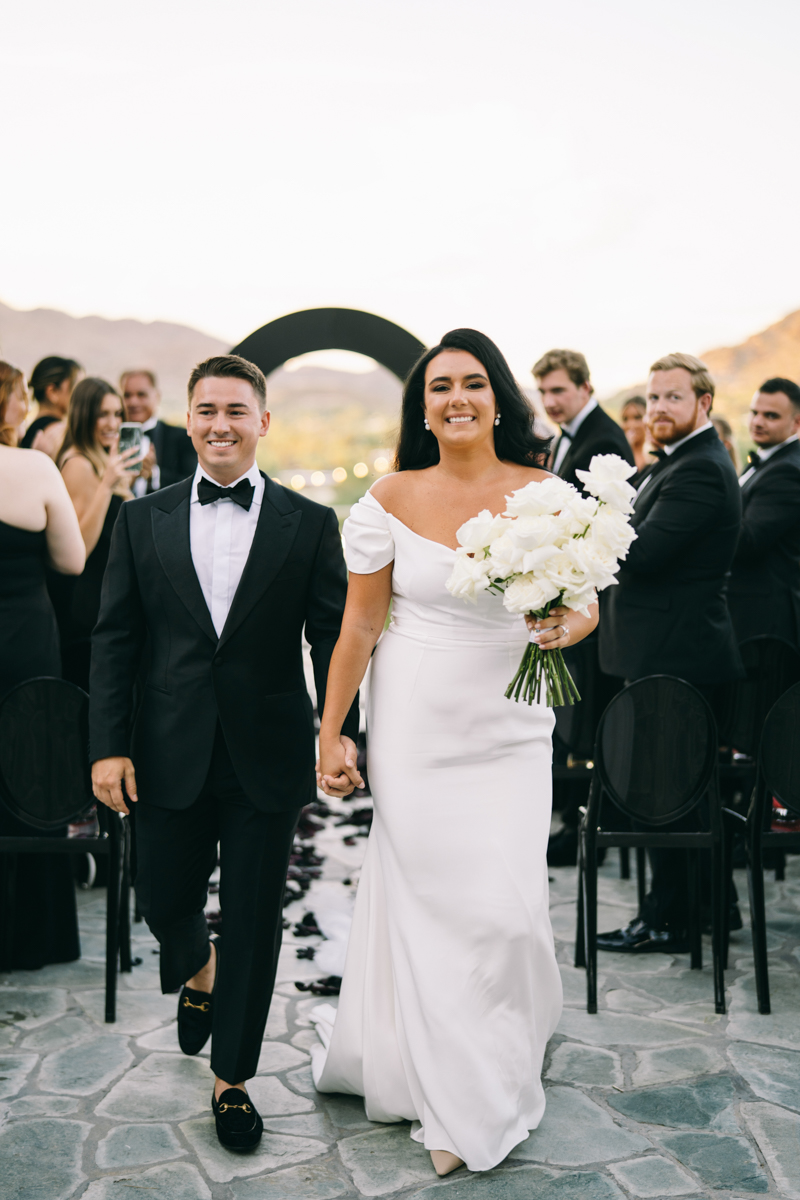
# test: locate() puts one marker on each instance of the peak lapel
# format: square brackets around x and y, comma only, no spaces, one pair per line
[171,538]
[276,530]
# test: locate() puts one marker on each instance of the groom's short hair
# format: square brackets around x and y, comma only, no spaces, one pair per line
[231,366]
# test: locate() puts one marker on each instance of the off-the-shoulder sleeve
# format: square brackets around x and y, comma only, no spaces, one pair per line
[368,541]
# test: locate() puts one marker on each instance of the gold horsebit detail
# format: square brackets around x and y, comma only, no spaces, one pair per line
[224,1107]
[202,1007]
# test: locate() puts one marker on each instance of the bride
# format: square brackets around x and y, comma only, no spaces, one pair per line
[451,988]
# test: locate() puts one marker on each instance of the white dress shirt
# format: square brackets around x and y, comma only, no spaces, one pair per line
[221,536]
[671,450]
[572,428]
[764,455]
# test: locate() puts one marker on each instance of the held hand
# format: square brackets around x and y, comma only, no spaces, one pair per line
[337,772]
[552,632]
[118,465]
[148,462]
[107,778]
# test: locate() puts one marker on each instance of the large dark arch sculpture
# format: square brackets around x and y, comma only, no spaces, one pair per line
[331,329]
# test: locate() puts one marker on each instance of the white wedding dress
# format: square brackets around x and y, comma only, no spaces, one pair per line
[451,989]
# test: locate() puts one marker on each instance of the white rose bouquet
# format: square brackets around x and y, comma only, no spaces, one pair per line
[552,546]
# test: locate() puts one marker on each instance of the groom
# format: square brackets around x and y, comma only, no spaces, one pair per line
[210,585]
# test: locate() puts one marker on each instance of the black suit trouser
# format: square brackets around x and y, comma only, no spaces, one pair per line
[177,851]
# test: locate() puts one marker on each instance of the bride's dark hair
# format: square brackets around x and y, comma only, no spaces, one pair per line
[514,438]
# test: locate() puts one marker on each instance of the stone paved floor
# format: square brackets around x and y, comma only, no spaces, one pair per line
[655,1096]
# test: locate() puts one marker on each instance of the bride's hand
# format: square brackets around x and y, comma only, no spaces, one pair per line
[337,772]
[553,631]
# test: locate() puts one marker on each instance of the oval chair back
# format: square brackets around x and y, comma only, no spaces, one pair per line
[779,757]
[45,777]
[656,749]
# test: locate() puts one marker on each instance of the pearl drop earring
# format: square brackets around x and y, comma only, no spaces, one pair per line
[425,423]
[497,419]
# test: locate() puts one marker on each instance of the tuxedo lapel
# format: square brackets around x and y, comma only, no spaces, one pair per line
[276,530]
[171,539]
[785,452]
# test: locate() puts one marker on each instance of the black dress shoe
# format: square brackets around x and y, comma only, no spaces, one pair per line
[639,938]
[195,1015]
[239,1124]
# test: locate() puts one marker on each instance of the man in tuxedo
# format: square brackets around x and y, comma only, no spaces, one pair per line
[566,389]
[211,583]
[562,377]
[668,613]
[764,589]
[171,455]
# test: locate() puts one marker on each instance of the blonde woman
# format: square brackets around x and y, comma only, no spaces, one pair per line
[98,480]
[38,529]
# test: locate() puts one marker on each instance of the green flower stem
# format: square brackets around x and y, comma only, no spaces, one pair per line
[546,667]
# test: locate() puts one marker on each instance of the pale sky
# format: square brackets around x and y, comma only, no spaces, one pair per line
[618,177]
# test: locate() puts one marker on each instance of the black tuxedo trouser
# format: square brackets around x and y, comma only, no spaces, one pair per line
[176,854]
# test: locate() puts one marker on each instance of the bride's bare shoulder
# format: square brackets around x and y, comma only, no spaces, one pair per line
[396,488]
[523,475]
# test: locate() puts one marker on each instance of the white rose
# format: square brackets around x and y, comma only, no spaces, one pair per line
[531,532]
[576,515]
[478,532]
[606,479]
[590,565]
[529,594]
[580,599]
[538,499]
[468,577]
[505,556]
[612,532]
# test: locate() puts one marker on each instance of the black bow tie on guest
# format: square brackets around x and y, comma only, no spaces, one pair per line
[659,454]
[241,494]
[754,460]
[566,433]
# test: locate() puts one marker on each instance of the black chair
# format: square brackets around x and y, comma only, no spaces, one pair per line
[772,666]
[778,775]
[656,760]
[45,782]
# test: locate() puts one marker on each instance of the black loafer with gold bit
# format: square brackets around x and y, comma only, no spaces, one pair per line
[195,1014]
[239,1124]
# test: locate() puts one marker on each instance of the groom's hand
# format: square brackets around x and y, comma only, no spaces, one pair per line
[108,775]
[337,770]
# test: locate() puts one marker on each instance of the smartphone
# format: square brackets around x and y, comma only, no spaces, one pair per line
[130,435]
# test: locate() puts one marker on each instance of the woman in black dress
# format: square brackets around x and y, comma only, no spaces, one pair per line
[51,382]
[38,528]
[98,480]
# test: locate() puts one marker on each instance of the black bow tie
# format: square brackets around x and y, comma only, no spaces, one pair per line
[566,433]
[659,454]
[241,494]
[754,459]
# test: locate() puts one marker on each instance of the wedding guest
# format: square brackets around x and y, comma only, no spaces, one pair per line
[98,482]
[38,527]
[565,387]
[52,381]
[632,421]
[221,747]
[764,588]
[725,434]
[170,456]
[668,613]
[566,391]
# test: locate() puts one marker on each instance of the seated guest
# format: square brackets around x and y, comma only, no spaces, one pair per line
[764,588]
[632,421]
[170,456]
[98,481]
[562,377]
[38,527]
[51,382]
[668,614]
[565,387]
[725,434]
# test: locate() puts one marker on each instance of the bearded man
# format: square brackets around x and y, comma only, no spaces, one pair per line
[669,613]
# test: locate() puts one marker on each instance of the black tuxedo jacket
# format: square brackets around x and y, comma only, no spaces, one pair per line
[668,614]
[175,453]
[764,590]
[598,434]
[154,626]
